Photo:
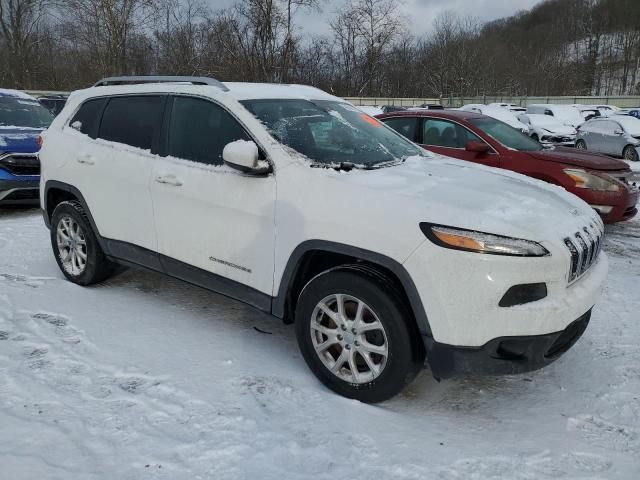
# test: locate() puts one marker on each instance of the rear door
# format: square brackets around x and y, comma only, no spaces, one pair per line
[210,218]
[449,138]
[113,170]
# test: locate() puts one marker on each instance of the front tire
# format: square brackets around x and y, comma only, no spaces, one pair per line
[630,153]
[354,334]
[76,247]
[581,145]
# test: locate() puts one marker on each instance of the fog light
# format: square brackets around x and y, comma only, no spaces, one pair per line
[602,209]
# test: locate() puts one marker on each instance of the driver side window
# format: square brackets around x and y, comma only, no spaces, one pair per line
[442,133]
[199,130]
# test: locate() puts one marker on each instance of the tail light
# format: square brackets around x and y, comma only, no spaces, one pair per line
[40,140]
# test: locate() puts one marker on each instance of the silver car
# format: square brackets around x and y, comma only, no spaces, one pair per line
[618,135]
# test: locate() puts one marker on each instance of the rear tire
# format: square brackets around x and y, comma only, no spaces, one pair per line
[630,153]
[75,246]
[535,137]
[355,334]
[581,145]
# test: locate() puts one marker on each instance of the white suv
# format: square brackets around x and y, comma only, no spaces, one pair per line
[292,200]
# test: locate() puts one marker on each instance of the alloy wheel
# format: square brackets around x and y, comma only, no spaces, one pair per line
[72,246]
[349,338]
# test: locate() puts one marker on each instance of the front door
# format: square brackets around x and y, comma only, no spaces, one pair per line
[449,139]
[215,224]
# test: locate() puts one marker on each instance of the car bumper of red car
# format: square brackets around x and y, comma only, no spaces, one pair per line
[624,208]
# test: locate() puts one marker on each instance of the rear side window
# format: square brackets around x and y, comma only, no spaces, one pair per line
[132,120]
[405,126]
[87,118]
[199,130]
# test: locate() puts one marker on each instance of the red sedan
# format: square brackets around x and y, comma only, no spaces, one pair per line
[607,184]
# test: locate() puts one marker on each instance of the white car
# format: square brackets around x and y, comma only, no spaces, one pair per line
[512,107]
[371,110]
[549,131]
[295,202]
[566,114]
[498,113]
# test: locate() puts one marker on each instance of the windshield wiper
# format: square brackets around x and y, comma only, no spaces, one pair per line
[389,163]
[341,167]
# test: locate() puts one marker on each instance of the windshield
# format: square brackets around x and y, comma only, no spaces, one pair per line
[330,132]
[506,135]
[23,112]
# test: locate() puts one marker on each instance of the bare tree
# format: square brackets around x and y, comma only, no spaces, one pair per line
[20,25]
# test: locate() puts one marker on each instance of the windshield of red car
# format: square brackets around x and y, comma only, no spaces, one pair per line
[506,135]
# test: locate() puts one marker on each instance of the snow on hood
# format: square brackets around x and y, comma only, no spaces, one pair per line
[466,195]
[19,139]
[504,115]
[550,123]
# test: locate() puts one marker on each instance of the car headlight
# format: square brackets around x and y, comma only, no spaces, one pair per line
[480,242]
[589,181]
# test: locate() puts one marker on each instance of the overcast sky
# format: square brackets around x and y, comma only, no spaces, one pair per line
[420,12]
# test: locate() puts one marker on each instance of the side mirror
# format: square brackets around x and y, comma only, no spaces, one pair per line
[618,132]
[477,147]
[243,155]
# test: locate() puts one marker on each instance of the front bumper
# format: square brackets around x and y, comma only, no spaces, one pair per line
[622,210]
[19,192]
[505,355]
[461,293]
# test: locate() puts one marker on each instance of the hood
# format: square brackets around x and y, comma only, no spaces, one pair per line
[461,194]
[19,140]
[564,130]
[580,158]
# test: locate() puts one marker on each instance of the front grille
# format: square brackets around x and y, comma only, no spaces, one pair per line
[21,164]
[584,246]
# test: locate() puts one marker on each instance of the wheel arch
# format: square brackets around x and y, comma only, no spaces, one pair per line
[56,192]
[314,256]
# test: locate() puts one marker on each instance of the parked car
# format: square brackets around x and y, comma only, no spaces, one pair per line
[499,114]
[427,106]
[549,131]
[634,112]
[392,108]
[512,107]
[618,135]
[567,114]
[607,184]
[22,119]
[53,103]
[288,198]
[371,110]
[603,110]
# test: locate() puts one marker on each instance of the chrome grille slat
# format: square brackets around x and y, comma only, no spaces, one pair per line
[584,247]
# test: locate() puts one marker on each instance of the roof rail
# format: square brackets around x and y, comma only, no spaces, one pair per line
[161,79]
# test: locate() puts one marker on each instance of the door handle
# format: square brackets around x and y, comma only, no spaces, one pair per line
[86,159]
[169,180]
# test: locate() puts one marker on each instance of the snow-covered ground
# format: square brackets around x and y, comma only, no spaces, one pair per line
[148,377]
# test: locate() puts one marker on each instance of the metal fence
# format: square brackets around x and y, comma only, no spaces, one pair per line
[621,101]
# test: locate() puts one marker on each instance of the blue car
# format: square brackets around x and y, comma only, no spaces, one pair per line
[22,118]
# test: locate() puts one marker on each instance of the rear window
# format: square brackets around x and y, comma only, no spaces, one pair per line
[87,118]
[132,120]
